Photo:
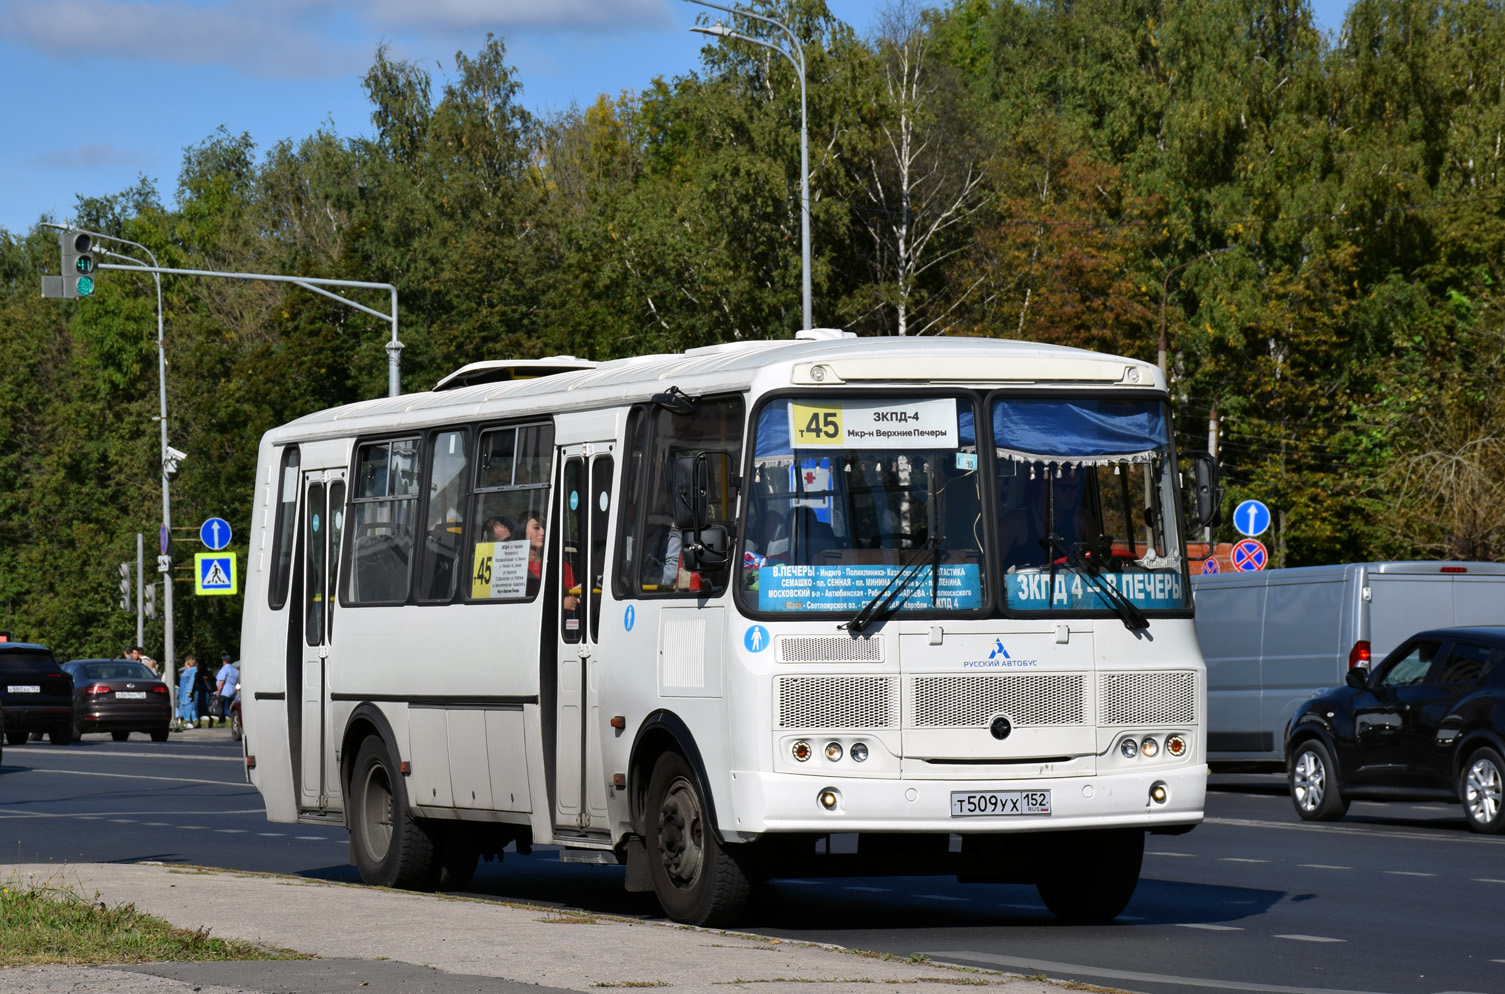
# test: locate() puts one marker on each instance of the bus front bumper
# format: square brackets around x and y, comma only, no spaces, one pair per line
[777,802]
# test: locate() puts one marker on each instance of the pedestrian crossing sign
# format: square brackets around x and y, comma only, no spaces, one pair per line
[214,573]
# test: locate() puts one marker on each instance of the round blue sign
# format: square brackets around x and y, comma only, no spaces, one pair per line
[629,618]
[756,638]
[574,500]
[215,533]
[1251,518]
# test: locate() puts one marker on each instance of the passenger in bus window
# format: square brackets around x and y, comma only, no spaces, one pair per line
[499,529]
[535,532]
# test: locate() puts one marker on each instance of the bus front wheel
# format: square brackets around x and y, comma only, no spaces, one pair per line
[697,880]
[1091,876]
[392,848]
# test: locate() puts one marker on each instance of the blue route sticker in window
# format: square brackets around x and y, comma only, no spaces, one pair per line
[784,587]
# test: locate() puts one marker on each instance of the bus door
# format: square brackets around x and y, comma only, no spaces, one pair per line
[323,516]
[579,530]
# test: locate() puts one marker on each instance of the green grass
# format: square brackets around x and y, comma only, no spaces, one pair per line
[48,924]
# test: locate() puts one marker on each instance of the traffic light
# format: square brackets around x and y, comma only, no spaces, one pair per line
[150,607]
[125,586]
[78,264]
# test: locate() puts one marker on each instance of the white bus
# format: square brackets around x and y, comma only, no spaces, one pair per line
[820,607]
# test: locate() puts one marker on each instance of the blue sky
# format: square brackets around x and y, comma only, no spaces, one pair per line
[103,91]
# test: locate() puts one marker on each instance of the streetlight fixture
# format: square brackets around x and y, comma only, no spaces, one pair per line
[796,56]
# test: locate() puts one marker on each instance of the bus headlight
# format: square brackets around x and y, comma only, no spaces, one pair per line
[1128,748]
[859,752]
[1159,792]
[1149,747]
[833,751]
[829,798]
[801,751]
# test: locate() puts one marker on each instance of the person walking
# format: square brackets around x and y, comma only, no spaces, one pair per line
[203,688]
[225,681]
[188,696]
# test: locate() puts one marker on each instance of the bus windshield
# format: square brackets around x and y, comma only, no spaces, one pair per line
[865,502]
[849,493]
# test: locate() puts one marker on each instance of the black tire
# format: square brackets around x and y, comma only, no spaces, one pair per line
[1480,786]
[1316,790]
[78,730]
[697,880]
[392,848]
[159,734]
[1093,875]
[17,738]
[237,729]
[62,735]
[120,736]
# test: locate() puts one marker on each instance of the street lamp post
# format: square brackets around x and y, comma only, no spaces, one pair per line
[796,56]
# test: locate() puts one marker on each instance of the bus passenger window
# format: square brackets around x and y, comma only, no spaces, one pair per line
[444,525]
[511,489]
[384,510]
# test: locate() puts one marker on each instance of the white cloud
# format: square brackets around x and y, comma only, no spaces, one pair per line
[93,157]
[504,16]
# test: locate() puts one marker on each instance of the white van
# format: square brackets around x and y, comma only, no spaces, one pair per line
[1273,639]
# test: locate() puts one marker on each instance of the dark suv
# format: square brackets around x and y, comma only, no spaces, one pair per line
[35,694]
[1429,720]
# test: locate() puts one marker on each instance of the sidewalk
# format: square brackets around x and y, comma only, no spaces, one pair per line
[376,941]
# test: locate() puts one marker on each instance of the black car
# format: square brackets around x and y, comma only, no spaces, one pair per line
[119,696]
[35,694]
[1427,721]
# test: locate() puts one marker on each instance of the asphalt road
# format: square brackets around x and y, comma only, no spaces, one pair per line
[1397,898]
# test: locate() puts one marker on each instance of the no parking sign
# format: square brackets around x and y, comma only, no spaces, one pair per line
[1249,555]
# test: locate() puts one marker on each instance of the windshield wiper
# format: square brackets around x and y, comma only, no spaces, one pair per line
[881,606]
[1130,615]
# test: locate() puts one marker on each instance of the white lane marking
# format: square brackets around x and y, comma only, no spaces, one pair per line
[1310,938]
[138,776]
[1210,928]
[1240,859]
[272,835]
[1331,829]
[1322,866]
[871,890]
[193,828]
[1183,855]
[1407,873]
[120,754]
[939,897]
[312,838]
[1032,966]
[231,831]
[1490,880]
[123,821]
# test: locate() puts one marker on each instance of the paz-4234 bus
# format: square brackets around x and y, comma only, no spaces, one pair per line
[806,608]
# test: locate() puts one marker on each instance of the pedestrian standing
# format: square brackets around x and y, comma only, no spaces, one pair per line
[225,681]
[141,657]
[188,698]
[203,688]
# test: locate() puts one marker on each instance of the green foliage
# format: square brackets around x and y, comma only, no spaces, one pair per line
[1317,223]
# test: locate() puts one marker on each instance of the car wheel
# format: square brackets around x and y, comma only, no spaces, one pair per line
[392,848]
[120,736]
[1480,787]
[1093,875]
[697,880]
[159,734]
[61,736]
[237,730]
[1315,790]
[17,738]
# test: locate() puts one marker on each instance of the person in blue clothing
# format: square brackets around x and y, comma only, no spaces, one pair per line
[188,698]
[225,684]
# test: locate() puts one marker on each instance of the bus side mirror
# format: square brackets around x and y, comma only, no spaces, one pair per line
[1209,494]
[1357,678]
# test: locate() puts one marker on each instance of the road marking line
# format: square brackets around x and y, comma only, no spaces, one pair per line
[1331,829]
[1407,873]
[272,835]
[1489,880]
[312,838]
[231,831]
[123,821]
[1056,970]
[193,828]
[1210,928]
[872,890]
[1025,907]
[1322,866]
[1310,938]
[1183,855]
[138,776]
[1240,859]
[939,897]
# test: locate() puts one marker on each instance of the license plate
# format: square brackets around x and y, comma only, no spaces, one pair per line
[986,803]
[23,688]
[130,695]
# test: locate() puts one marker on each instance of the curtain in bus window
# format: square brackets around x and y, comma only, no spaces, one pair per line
[1087,426]
[384,514]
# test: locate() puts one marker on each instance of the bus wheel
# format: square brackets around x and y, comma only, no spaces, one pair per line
[1092,875]
[392,849]
[695,877]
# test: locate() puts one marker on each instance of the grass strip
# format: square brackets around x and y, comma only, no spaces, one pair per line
[57,924]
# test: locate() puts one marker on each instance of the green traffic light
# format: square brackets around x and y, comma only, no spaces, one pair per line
[84,264]
[85,286]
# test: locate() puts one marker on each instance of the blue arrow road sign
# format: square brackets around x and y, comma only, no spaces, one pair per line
[1251,518]
[215,533]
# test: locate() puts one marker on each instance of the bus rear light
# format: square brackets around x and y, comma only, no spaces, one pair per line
[801,751]
[1175,745]
[1359,654]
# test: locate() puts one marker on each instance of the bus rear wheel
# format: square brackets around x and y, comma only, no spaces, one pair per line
[1091,876]
[392,848]
[697,880]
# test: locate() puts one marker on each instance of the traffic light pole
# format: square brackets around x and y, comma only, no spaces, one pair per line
[140,585]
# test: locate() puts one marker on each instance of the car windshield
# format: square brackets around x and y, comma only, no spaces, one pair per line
[1086,504]
[848,493]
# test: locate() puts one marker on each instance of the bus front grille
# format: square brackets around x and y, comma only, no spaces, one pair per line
[829,649]
[974,701]
[836,702]
[1152,698]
